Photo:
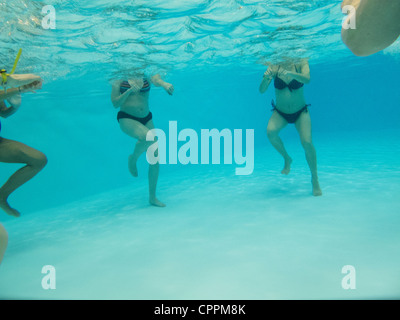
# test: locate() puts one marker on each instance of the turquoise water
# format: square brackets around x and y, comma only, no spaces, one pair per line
[221,236]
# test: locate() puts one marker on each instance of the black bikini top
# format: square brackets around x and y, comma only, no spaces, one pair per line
[293,85]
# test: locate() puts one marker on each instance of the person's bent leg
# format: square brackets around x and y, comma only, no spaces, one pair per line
[16,152]
[303,126]
[138,131]
[3,242]
[140,147]
[275,125]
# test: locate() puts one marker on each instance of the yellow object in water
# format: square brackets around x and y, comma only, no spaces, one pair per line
[4,73]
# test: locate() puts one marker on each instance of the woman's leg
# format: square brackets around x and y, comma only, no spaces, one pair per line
[138,131]
[3,241]
[303,126]
[16,152]
[140,147]
[154,170]
[275,125]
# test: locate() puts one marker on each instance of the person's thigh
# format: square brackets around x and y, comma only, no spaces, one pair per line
[17,152]
[133,128]
[303,126]
[276,123]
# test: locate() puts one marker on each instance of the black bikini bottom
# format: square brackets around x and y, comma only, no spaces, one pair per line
[124,115]
[291,117]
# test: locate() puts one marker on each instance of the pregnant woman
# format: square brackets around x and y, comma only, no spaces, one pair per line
[135,119]
[289,79]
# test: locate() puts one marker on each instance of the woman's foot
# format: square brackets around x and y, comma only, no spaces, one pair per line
[157,203]
[316,188]
[288,163]
[7,209]
[132,166]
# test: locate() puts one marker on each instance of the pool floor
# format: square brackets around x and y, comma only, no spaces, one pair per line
[223,236]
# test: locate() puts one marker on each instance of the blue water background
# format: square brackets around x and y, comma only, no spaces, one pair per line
[74,122]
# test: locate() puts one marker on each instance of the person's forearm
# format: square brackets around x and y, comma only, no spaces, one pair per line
[157,81]
[300,77]
[4,95]
[120,100]
[19,80]
[6,112]
[265,84]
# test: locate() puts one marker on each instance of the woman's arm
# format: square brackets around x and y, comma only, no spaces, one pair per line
[158,82]
[31,87]
[265,83]
[10,95]
[304,76]
[267,78]
[13,96]
[6,112]
[377,26]
[117,98]
[4,95]
[18,80]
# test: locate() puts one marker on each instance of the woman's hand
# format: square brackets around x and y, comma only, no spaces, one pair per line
[169,88]
[158,82]
[282,72]
[136,85]
[271,72]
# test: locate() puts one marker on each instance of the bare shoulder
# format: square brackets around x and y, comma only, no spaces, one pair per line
[304,63]
[303,66]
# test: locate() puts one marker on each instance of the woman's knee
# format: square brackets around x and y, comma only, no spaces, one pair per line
[307,144]
[272,133]
[39,160]
[33,157]
[148,138]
